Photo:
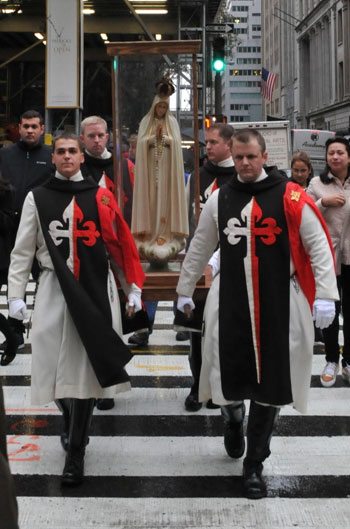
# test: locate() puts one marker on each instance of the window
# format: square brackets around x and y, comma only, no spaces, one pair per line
[340,26]
[341,81]
[236,106]
[248,60]
[249,49]
[240,8]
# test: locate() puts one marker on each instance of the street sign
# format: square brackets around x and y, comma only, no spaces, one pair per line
[220,28]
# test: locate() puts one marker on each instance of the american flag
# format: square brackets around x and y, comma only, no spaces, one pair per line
[268,81]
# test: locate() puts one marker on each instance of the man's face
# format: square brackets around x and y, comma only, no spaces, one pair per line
[67,157]
[248,159]
[218,149]
[30,131]
[95,138]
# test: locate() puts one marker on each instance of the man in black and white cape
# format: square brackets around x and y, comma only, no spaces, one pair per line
[276,274]
[76,230]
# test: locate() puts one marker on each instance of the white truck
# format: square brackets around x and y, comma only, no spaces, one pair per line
[277,137]
[313,142]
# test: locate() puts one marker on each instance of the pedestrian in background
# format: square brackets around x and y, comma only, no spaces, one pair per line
[25,165]
[301,169]
[331,192]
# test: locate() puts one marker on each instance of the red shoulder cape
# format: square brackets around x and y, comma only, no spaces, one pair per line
[294,200]
[117,237]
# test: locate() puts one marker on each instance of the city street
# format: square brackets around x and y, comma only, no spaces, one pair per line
[150,464]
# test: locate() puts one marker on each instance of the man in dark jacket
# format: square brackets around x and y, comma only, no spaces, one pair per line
[25,165]
[217,170]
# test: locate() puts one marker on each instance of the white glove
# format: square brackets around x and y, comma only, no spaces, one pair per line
[214,262]
[323,312]
[184,300]
[17,309]
[134,300]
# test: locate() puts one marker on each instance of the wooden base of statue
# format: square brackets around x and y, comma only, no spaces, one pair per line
[161,282]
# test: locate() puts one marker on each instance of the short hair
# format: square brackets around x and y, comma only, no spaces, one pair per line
[32,114]
[67,136]
[247,135]
[225,131]
[93,120]
[132,138]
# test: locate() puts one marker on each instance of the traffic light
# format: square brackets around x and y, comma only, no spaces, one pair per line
[218,62]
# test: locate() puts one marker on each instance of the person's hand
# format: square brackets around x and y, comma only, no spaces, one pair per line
[17,309]
[134,304]
[159,131]
[333,201]
[323,312]
[185,305]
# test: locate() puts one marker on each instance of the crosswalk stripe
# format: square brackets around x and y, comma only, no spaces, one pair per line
[175,513]
[125,456]
[170,401]
[184,487]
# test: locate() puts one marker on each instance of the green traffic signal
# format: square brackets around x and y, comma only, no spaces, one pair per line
[218,62]
[218,65]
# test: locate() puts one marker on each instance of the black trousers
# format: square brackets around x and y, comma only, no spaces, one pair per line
[331,333]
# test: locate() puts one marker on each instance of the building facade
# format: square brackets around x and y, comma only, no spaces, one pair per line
[307,44]
[324,55]
[241,98]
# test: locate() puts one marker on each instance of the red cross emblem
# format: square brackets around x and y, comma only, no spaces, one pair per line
[74,228]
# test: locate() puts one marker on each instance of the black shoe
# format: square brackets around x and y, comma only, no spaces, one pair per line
[104,404]
[10,352]
[182,336]
[191,403]
[234,439]
[211,406]
[139,338]
[73,472]
[253,484]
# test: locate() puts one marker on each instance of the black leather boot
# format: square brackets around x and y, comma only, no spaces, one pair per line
[80,420]
[195,360]
[64,405]
[233,433]
[261,422]
[253,483]
[14,340]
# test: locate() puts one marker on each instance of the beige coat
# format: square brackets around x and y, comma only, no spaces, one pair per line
[337,219]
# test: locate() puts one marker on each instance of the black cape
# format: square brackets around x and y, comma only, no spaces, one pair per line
[83,282]
[254,291]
